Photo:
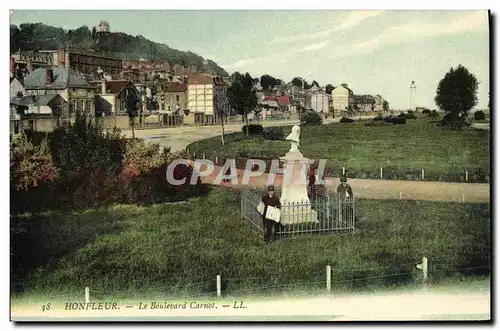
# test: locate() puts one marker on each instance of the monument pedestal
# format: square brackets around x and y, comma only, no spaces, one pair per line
[296,207]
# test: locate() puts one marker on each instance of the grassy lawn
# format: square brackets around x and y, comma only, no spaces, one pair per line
[179,248]
[401,150]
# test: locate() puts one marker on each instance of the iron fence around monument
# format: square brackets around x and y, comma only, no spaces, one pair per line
[324,214]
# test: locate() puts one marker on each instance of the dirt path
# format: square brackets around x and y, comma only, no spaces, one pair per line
[383,189]
[178,138]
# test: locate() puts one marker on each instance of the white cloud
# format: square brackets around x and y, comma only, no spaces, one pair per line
[311,48]
[471,22]
[354,18]
[467,22]
[244,63]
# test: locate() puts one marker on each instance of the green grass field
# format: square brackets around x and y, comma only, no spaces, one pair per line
[401,150]
[179,248]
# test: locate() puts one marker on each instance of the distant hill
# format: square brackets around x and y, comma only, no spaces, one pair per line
[38,36]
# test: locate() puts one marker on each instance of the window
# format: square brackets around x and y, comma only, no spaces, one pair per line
[89,106]
[177,97]
[81,106]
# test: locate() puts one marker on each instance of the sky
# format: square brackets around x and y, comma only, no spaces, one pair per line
[374,52]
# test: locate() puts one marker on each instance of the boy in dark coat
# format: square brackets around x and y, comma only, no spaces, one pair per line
[271,200]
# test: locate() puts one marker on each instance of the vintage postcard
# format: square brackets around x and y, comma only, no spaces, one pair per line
[170,165]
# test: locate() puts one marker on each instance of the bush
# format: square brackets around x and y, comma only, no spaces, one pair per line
[433,113]
[400,120]
[81,166]
[392,119]
[379,118]
[479,115]
[426,111]
[346,120]
[310,118]
[253,129]
[408,116]
[453,122]
[274,133]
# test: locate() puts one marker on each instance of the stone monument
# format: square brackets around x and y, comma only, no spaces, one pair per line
[296,207]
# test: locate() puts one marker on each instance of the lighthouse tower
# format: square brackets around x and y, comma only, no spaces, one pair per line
[413,96]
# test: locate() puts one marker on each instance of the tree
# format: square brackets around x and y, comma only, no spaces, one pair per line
[329,88]
[299,82]
[314,83]
[241,95]
[385,105]
[132,103]
[94,33]
[456,95]
[268,82]
[222,106]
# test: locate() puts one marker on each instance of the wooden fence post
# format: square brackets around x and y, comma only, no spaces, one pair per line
[381,173]
[343,170]
[328,278]
[400,195]
[466,176]
[218,287]
[87,295]
[216,160]
[203,156]
[423,174]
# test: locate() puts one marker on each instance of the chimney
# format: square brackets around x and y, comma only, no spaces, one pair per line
[29,66]
[49,76]
[103,86]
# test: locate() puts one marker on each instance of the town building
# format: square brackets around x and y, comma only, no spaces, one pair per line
[204,94]
[112,97]
[342,97]
[175,98]
[364,103]
[148,66]
[317,101]
[16,87]
[87,62]
[284,103]
[379,103]
[77,93]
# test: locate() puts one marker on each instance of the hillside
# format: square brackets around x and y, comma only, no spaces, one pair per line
[36,36]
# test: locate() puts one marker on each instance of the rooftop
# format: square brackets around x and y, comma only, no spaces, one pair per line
[62,78]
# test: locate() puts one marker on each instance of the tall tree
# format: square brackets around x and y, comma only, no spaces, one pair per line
[456,95]
[314,83]
[268,82]
[329,88]
[241,95]
[385,105]
[132,104]
[299,82]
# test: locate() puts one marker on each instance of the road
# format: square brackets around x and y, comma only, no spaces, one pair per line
[378,189]
[393,306]
[178,138]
